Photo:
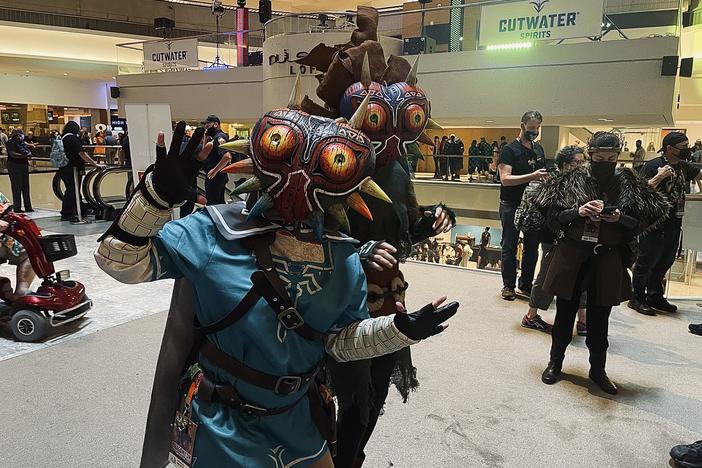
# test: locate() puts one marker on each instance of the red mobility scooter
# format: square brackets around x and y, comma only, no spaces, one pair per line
[58,300]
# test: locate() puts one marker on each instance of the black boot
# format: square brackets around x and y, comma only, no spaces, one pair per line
[552,374]
[660,303]
[602,381]
[640,306]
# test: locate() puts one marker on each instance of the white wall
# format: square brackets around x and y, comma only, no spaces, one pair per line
[234,94]
[571,84]
[54,91]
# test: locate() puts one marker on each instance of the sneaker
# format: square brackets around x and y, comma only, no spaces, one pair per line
[581,328]
[536,323]
[696,329]
[525,291]
[688,456]
[641,307]
[508,294]
[660,303]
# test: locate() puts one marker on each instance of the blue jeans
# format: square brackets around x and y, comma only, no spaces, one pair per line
[510,238]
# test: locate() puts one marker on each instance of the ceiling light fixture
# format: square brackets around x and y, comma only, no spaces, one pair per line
[489,121]
[603,119]
[65,74]
[514,46]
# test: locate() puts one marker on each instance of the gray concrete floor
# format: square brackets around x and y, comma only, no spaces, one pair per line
[82,402]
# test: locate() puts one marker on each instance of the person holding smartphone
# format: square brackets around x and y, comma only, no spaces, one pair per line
[594,247]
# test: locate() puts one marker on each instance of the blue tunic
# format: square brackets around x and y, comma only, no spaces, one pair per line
[329,294]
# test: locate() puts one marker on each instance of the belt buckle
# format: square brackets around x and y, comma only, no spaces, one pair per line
[291,318]
[288,384]
[253,409]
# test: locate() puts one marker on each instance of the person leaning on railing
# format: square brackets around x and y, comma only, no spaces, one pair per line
[77,159]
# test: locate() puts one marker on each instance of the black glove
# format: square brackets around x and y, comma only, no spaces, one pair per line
[425,322]
[174,171]
[424,227]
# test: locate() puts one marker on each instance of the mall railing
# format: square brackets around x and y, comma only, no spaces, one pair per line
[213,52]
[40,162]
[454,28]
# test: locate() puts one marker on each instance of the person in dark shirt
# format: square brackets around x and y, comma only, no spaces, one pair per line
[126,151]
[110,140]
[521,162]
[456,149]
[18,155]
[671,174]
[484,244]
[216,182]
[567,159]
[77,159]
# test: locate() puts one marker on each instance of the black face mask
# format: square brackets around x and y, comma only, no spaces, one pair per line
[603,170]
[211,132]
[684,153]
[531,136]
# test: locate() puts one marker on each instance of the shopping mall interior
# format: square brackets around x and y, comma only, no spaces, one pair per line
[275,116]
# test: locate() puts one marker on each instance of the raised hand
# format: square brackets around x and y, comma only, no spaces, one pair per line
[427,321]
[174,171]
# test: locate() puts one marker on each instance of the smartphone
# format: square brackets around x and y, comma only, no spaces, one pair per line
[608,210]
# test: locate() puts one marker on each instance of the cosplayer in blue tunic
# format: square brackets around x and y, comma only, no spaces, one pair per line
[304,167]
[328,285]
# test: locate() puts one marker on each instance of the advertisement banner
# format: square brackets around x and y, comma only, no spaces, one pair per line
[535,20]
[176,55]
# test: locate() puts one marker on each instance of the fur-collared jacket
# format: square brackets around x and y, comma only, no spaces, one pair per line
[556,202]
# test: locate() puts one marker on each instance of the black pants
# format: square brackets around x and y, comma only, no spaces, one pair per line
[68,205]
[510,239]
[214,189]
[657,253]
[597,323]
[19,181]
[361,388]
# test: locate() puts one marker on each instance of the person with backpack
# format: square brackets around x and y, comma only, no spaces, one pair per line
[18,155]
[74,162]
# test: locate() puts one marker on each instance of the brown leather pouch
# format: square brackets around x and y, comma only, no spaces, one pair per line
[323,412]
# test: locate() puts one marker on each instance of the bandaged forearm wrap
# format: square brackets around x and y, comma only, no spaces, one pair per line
[367,339]
[124,254]
[144,217]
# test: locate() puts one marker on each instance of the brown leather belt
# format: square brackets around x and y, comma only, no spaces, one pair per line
[280,385]
[209,392]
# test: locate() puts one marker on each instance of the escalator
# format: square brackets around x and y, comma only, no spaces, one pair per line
[105,191]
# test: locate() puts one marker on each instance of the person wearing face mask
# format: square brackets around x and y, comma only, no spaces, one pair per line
[521,162]
[216,181]
[596,213]
[18,155]
[670,174]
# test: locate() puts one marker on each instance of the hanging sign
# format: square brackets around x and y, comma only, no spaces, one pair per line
[176,55]
[534,20]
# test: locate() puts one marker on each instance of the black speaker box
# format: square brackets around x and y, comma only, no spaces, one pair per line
[164,23]
[414,46]
[670,65]
[114,92]
[265,11]
[686,66]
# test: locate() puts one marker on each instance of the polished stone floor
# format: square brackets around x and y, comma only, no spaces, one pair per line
[114,303]
[81,400]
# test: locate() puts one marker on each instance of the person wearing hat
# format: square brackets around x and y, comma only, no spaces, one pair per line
[670,174]
[596,212]
[216,182]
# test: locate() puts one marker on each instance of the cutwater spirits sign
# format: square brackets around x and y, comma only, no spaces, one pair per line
[535,20]
[176,55]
